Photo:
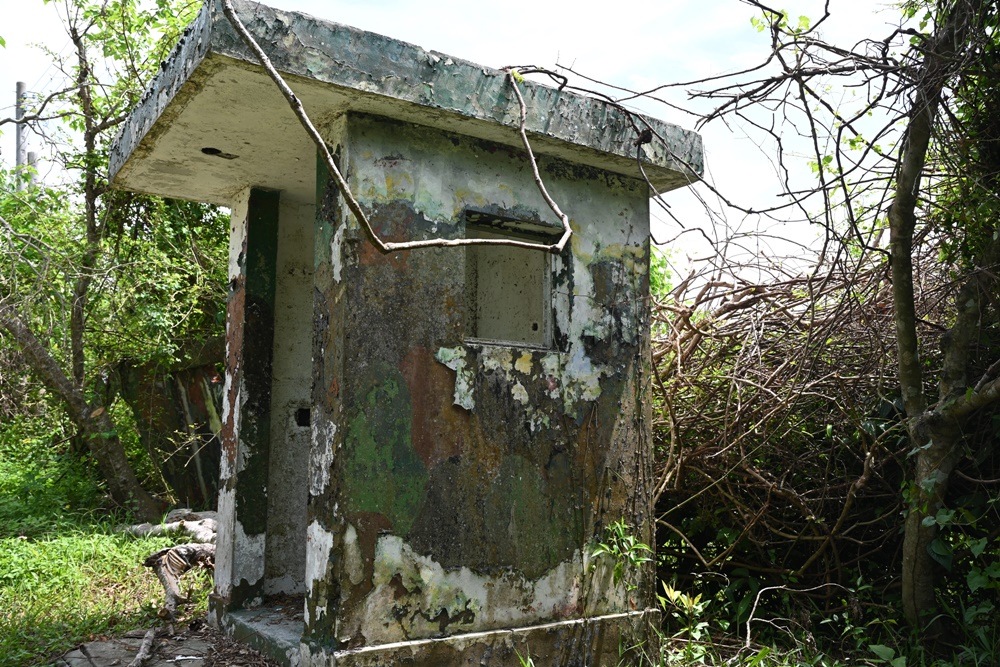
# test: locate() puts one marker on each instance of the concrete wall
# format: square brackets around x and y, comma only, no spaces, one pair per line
[457,486]
[291,394]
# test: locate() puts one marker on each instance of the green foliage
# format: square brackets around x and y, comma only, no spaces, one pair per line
[43,482]
[152,271]
[164,287]
[660,277]
[74,585]
[628,552]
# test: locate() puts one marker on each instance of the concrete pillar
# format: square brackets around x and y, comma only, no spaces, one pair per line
[246,427]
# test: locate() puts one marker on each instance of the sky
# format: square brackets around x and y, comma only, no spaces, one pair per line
[637,45]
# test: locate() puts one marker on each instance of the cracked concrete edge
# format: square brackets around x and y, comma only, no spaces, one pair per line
[377,66]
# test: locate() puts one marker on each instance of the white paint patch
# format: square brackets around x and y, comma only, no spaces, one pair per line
[499,600]
[242,451]
[454,358]
[248,554]
[336,252]
[580,377]
[224,543]
[226,465]
[319,542]
[353,562]
[321,456]
[239,211]
[520,394]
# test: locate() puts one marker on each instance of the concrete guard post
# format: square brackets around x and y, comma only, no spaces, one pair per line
[421,450]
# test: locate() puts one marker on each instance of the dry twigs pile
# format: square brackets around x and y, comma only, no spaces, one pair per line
[779,446]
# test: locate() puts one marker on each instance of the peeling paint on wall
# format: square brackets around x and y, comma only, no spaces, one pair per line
[336,248]
[415,596]
[321,456]
[248,558]
[473,478]
[319,544]
[454,358]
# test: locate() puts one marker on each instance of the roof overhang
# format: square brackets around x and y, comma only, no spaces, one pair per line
[211,94]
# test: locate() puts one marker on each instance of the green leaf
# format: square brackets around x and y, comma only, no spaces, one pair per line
[899,662]
[977,547]
[759,658]
[3,43]
[882,651]
[940,550]
[976,579]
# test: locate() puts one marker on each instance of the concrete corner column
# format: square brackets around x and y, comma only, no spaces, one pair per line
[239,573]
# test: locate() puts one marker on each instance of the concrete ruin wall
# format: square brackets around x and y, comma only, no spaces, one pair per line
[458,486]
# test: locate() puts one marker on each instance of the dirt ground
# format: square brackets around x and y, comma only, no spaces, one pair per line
[196,644]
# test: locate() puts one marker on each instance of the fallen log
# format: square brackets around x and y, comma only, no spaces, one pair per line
[199,526]
[171,564]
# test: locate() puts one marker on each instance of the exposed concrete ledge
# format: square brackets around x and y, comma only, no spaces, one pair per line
[211,94]
[271,632]
[588,642]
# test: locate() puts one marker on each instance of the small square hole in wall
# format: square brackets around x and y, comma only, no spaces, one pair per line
[508,289]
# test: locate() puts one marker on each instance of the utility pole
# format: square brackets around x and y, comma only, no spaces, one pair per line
[33,163]
[21,141]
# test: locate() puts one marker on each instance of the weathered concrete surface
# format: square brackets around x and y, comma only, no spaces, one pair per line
[189,652]
[246,418]
[211,95]
[460,486]
[275,632]
[291,395]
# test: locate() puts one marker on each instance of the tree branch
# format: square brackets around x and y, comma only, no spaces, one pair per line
[352,203]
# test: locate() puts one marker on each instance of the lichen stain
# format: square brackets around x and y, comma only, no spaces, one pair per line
[414,596]
[523,363]
[378,447]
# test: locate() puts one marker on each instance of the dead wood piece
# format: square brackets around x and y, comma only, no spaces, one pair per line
[186,514]
[200,530]
[145,649]
[171,564]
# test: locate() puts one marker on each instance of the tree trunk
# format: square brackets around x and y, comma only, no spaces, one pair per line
[933,434]
[935,461]
[94,423]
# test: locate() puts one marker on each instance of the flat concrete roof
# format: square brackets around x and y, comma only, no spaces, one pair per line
[211,94]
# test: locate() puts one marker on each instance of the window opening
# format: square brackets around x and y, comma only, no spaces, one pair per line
[507,289]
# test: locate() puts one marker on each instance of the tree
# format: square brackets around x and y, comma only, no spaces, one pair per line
[65,295]
[930,92]
[905,179]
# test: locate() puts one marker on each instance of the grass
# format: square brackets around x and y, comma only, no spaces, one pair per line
[62,590]
[66,575]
